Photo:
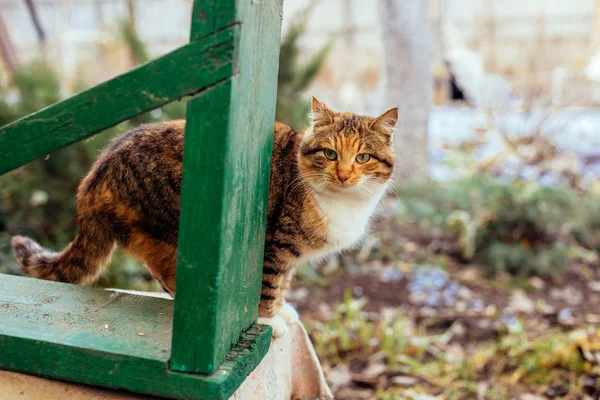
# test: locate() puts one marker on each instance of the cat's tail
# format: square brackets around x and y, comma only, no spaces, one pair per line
[80,262]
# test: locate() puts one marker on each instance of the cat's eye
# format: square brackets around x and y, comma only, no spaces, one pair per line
[330,154]
[363,158]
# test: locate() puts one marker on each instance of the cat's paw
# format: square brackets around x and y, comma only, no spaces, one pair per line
[277,323]
[287,315]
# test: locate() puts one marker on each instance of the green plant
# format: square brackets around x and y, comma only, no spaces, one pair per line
[294,77]
[349,334]
[517,226]
[586,228]
[542,260]
[137,48]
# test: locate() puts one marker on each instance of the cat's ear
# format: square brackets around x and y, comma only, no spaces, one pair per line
[386,122]
[321,114]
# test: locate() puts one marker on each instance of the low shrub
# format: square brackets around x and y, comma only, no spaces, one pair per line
[519,227]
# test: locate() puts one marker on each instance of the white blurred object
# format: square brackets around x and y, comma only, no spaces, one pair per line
[350,96]
[468,68]
[592,71]
[72,38]
[559,79]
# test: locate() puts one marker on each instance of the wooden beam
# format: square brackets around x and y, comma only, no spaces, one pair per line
[185,71]
[224,198]
[349,22]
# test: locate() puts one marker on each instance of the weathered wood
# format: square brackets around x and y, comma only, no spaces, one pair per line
[86,318]
[213,15]
[93,336]
[225,188]
[185,71]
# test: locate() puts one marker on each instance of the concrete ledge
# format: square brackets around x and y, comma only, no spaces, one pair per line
[15,386]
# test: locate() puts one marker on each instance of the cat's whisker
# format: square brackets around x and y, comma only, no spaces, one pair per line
[299,184]
[301,181]
[392,188]
[303,178]
[371,193]
[317,188]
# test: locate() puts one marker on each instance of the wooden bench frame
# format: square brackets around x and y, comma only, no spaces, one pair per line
[118,340]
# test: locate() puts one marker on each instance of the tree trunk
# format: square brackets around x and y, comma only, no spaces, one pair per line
[7,51]
[349,22]
[408,55]
[37,24]
[39,30]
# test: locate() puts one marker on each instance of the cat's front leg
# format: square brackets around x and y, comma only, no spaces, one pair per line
[273,310]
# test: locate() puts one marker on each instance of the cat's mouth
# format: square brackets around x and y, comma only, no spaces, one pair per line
[338,187]
[329,186]
[342,187]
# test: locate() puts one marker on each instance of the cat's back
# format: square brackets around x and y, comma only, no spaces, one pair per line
[283,168]
[144,163]
[285,138]
[159,138]
[285,151]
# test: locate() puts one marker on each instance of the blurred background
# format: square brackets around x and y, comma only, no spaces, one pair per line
[481,278]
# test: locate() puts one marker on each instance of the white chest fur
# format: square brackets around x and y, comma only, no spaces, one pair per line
[347,218]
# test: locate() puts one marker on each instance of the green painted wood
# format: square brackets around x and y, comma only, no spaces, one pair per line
[185,71]
[224,200]
[210,16]
[60,331]
[77,316]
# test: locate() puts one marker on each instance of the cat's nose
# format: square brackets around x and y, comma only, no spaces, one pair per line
[343,175]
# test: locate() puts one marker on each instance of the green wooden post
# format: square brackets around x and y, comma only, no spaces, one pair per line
[225,187]
[101,338]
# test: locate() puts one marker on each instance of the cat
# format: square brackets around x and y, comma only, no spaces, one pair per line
[325,184]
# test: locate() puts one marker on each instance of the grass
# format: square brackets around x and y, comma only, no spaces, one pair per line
[558,361]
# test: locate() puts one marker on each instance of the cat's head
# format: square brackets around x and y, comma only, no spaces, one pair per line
[346,153]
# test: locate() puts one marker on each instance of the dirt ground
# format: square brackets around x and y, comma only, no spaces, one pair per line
[403,271]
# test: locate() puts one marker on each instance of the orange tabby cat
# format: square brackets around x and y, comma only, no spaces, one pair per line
[325,185]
